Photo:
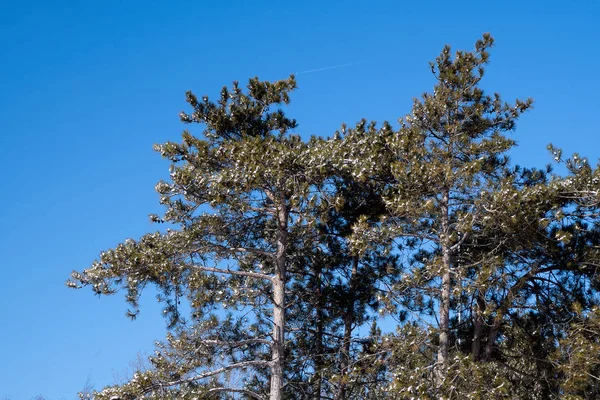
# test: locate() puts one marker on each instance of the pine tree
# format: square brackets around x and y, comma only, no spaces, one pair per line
[341,286]
[365,271]
[235,198]
[447,153]
[511,249]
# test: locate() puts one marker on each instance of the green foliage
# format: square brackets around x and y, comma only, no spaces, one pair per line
[280,252]
[577,357]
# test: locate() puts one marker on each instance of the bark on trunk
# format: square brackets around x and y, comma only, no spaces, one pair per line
[348,322]
[444,312]
[279,281]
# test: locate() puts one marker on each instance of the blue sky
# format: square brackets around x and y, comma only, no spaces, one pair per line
[86,88]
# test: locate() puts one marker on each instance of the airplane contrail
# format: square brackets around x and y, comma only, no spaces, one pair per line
[331,67]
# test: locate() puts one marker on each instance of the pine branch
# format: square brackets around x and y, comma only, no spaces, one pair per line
[234,272]
[208,374]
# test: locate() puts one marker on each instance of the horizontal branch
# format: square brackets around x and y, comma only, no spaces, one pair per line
[234,272]
[235,343]
[208,374]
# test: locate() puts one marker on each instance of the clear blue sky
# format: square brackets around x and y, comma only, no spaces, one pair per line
[86,88]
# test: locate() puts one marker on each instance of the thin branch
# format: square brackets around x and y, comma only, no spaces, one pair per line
[208,374]
[236,343]
[233,272]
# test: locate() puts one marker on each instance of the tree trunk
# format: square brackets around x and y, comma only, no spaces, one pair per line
[444,313]
[348,322]
[279,281]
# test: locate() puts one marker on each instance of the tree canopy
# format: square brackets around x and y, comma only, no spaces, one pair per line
[386,261]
